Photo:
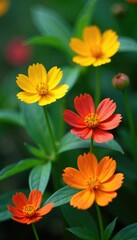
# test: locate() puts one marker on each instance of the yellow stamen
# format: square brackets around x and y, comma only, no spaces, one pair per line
[29,210]
[96,51]
[93,183]
[92,120]
[42,88]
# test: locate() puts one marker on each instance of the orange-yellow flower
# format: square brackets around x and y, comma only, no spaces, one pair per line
[41,86]
[131,1]
[95,48]
[4,6]
[96,181]
[26,209]
[91,123]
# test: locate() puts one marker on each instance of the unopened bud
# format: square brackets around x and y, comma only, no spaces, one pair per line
[120,81]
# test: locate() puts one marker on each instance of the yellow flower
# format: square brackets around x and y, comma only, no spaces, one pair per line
[4,6]
[41,86]
[95,48]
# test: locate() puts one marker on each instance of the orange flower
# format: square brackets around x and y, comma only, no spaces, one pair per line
[90,123]
[97,181]
[95,48]
[25,210]
[131,1]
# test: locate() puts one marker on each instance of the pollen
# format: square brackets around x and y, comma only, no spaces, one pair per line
[92,120]
[29,210]
[93,183]
[42,88]
[96,51]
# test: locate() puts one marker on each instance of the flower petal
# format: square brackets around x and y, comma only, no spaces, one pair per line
[37,73]
[19,200]
[46,99]
[92,35]
[105,109]
[84,133]
[15,211]
[84,61]
[73,178]
[101,60]
[106,168]
[88,165]
[54,77]
[101,136]
[35,198]
[84,105]
[26,83]
[80,47]
[83,199]
[59,91]
[20,220]
[111,123]
[33,219]
[110,44]
[103,198]
[28,97]
[73,119]
[114,183]
[45,209]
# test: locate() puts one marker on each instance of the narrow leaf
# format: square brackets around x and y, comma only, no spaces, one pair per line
[127,233]
[11,117]
[62,196]
[109,229]
[82,233]
[39,177]
[127,44]
[18,167]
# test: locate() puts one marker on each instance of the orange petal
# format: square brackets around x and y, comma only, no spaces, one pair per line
[103,198]
[106,168]
[73,178]
[105,109]
[84,105]
[45,209]
[114,183]
[35,198]
[15,211]
[83,199]
[33,219]
[20,220]
[92,35]
[101,136]
[80,47]
[19,200]
[88,165]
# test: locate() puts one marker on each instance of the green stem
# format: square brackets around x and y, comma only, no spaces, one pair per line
[130,119]
[91,145]
[97,88]
[50,131]
[35,232]
[100,222]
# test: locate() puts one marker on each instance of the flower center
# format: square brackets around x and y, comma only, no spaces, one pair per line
[92,120]
[93,183]
[42,88]
[96,51]
[29,210]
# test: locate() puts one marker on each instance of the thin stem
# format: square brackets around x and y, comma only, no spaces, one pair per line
[35,232]
[100,222]
[97,88]
[49,128]
[91,145]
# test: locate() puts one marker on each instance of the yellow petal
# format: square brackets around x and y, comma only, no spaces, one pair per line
[80,47]
[26,83]
[110,44]
[37,72]
[46,99]
[92,35]
[54,77]
[100,61]
[83,199]
[59,91]
[84,61]
[28,97]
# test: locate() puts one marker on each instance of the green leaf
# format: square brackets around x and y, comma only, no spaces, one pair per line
[39,177]
[109,229]
[127,233]
[11,117]
[62,196]
[36,126]
[84,17]
[51,23]
[18,167]
[82,233]
[70,75]
[127,44]
[6,199]
[80,219]
[37,152]
[71,141]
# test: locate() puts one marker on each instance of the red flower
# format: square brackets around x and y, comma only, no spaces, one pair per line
[25,210]
[90,123]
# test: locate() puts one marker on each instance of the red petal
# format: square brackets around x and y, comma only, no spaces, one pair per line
[84,133]
[35,198]
[111,123]
[84,105]
[105,109]
[45,209]
[19,200]
[73,119]
[101,135]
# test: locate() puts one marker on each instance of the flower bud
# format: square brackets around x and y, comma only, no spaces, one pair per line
[118,9]
[17,53]
[120,81]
